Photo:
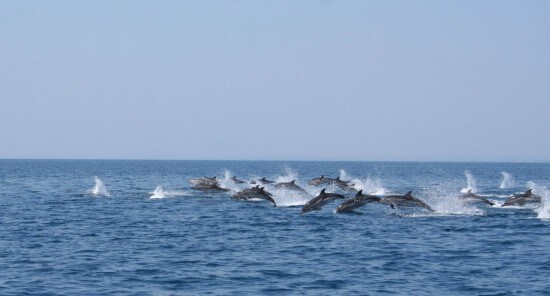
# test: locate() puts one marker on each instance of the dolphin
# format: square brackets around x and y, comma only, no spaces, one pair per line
[470,197]
[522,199]
[320,200]
[356,202]
[237,181]
[254,192]
[204,181]
[344,185]
[406,200]
[290,186]
[262,181]
[209,187]
[319,181]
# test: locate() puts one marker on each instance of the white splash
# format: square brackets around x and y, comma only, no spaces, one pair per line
[160,192]
[444,201]
[289,198]
[228,183]
[369,185]
[471,183]
[543,212]
[344,175]
[290,175]
[99,188]
[506,180]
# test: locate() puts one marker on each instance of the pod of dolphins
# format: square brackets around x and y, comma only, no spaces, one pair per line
[211,184]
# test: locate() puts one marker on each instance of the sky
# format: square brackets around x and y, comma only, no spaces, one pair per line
[275,80]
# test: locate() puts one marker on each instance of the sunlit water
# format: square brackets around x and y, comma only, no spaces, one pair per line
[150,233]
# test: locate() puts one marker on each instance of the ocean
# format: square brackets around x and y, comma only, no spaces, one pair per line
[105,227]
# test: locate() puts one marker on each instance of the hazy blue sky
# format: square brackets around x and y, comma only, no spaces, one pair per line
[312,80]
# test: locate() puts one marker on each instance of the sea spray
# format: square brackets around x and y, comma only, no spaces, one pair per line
[290,175]
[543,211]
[99,188]
[506,180]
[444,200]
[369,185]
[161,192]
[228,183]
[471,183]
[158,193]
[289,198]
[344,175]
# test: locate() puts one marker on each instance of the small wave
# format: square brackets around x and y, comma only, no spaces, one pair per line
[471,183]
[506,181]
[99,188]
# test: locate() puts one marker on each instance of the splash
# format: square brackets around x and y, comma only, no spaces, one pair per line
[160,192]
[506,181]
[288,198]
[445,201]
[471,183]
[369,185]
[344,175]
[543,212]
[228,183]
[290,175]
[99,188]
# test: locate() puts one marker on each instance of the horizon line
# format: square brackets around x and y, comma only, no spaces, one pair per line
[279,160]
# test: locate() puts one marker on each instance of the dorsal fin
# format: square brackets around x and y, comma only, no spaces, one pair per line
[408,195]
[214,177]
[257,186]
[528,192]
[322,177]
[292,182]
[337,178]
[359,193]
[469,191]
[322,191]
[262,188]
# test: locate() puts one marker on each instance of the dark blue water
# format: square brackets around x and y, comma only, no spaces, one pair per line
[56,238]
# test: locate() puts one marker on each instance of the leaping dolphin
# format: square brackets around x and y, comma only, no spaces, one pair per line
[204,181]
[262,181]
[344,185]
[406,200]
[290,186]
[254,192]
[209,187]
[320,180]
[237,181]
[522,199]
[472,197]
[356,202]
[320,200]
